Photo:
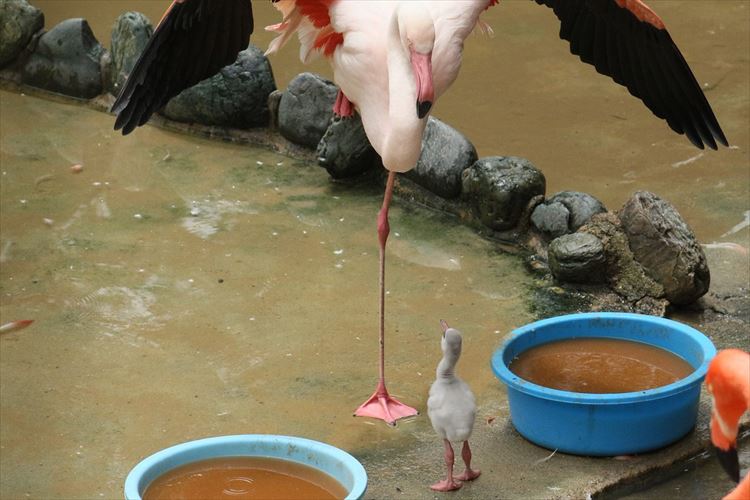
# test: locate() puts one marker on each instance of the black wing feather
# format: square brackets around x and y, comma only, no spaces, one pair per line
[644,59]
[601,62]
[642,85]
[194,41]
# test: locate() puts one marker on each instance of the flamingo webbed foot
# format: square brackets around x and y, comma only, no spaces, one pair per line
[381,405]
[447,484]
[469,475]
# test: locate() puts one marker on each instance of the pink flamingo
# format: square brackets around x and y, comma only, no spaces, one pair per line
[728,381]
[393,59]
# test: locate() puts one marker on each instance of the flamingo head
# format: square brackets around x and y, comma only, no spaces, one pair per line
[451,342]
[728,382]
[418,38]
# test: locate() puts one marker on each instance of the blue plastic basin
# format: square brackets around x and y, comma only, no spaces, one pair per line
[336,463]
[605,424]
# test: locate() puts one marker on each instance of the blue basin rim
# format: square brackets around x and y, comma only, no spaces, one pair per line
[329,459]
[590,322]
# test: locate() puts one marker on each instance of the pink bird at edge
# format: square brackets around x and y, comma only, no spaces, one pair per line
[728,381]
[393,59]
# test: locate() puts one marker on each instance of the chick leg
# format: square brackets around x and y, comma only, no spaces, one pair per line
[447,484]
[469,474]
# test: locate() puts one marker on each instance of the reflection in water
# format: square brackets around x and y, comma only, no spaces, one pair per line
[206,216]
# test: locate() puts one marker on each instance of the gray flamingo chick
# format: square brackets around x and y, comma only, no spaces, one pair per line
[452,409]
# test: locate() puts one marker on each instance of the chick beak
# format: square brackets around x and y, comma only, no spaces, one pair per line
[444,326]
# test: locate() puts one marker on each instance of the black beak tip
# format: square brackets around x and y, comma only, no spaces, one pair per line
[729,462]
[423,108]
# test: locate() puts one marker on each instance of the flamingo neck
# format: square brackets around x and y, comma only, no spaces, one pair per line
[446,369]
[723,433]
[402,142]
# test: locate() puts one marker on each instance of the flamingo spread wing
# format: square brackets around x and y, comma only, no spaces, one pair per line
[623,39]
[627,41]
[194,40]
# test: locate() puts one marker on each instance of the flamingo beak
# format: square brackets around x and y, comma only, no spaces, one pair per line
[729,462]
[422,66]
[444,326]
[725,447]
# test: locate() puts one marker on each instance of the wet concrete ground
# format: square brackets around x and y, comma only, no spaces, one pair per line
[700,477]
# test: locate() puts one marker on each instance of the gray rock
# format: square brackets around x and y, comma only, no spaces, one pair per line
[651,306]
[19,23]
[106,67]
[624,274]
[551,219]
[499,188]
[666,247]
[306,109]
[274,99]
[577,258]
[66,61]
[565,212]
[130,35]
[237,96]
[582,206]
[446,153]
[344,150]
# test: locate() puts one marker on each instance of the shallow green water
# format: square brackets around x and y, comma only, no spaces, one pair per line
[183,288]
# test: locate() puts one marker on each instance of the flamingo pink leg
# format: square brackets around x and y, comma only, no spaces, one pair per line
[469,474]
[381,405]
[343,106]
[447,484]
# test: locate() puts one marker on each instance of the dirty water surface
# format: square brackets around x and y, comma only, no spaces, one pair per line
[182,288]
